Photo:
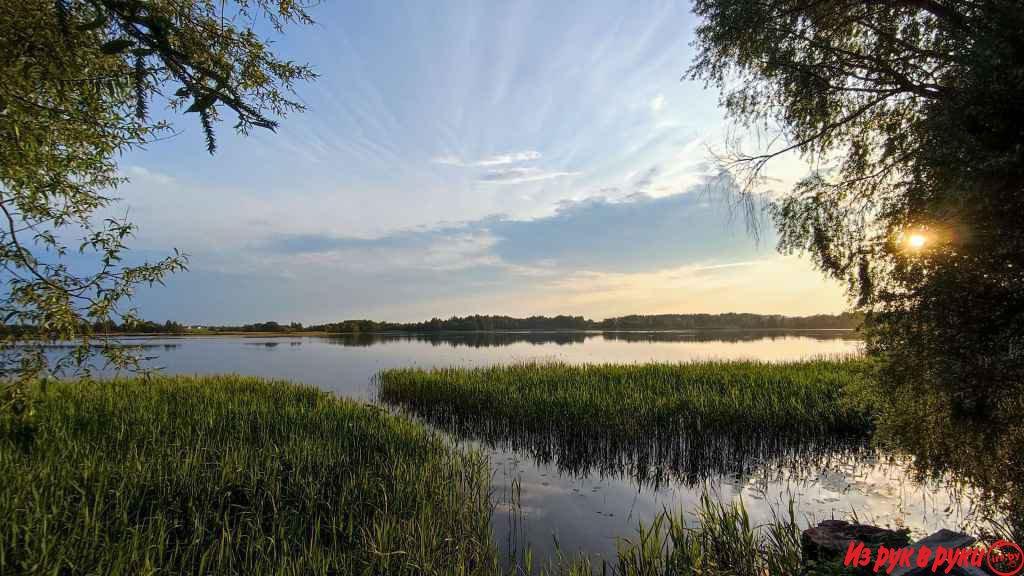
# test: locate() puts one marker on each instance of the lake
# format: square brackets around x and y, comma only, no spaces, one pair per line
[550,497]
[346,364]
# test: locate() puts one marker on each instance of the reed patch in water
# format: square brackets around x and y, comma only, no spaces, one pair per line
[809,397]
[651,422]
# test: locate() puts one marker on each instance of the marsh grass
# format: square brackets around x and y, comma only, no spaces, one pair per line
[717,538]
[240,475]
[723,541]
[234,475]
[817,396]
[651,422]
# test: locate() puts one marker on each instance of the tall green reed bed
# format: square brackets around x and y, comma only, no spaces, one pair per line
[234,475]
[239,475]
[696,420]
[636,400]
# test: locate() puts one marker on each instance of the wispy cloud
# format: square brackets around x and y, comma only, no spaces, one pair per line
[446,249]
[637,233]
[598,257]
[147,176]
[501,159]
[646,179]
[517,175]
[384,192]
[500,171]
[495,160]
[449,161]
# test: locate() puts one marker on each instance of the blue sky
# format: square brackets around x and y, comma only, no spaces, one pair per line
[467,157]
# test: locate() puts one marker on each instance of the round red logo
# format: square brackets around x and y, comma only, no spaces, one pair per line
[1004,558]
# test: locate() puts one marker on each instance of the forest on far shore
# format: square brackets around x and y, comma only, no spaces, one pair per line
[730,321]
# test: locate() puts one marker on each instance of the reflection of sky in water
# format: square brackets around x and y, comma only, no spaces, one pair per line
[346,365]
[591,511]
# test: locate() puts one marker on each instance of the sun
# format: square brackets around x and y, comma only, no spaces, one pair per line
[916,241]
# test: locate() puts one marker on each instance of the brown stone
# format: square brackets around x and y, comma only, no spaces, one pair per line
[831,538]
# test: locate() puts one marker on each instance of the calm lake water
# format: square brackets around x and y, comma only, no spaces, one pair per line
[581,497]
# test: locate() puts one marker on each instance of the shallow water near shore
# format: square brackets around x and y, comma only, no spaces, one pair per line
[580,497]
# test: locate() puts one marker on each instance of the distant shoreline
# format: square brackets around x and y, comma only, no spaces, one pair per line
[678,323]
[321,333]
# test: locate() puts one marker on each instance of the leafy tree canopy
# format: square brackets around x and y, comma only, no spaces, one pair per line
[911,114]
[79,79]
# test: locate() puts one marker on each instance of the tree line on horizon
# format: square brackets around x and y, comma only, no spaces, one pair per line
[484,323]
[487,323]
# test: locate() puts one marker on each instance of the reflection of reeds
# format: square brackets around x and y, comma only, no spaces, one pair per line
[468,339]
[654,422]
[238,475]
[680,458]
[643,399]
[983,454]
[728,335]
[233,475]
[487,339]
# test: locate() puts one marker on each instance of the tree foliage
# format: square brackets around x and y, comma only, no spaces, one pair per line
[911,115]
[79,80]
[484,323]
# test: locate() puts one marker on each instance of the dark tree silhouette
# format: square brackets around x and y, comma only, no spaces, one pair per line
[910,113]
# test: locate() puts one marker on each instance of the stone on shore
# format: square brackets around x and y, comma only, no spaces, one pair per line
[829,541]
[831,538]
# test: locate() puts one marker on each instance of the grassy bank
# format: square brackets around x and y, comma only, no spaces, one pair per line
[233,475]
[239,475]
[798,398]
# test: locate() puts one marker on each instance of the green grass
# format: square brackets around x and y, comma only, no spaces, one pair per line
[640,400]
[239,475]
[715,539]
[723,542]
[234,475]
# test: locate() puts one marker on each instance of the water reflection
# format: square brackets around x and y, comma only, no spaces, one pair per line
[271,344]
[588,492]
[130,343]
[560,489]
[548,510]
[730,336]
[498,339]
[345,364]
[653,460]
[468,339]
[986,453]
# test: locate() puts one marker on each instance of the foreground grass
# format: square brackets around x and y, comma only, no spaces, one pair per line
[238,475]
[233,475]
[723,542]
[715,539]
[635,400]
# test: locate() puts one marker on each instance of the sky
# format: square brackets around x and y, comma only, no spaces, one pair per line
[467,157]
